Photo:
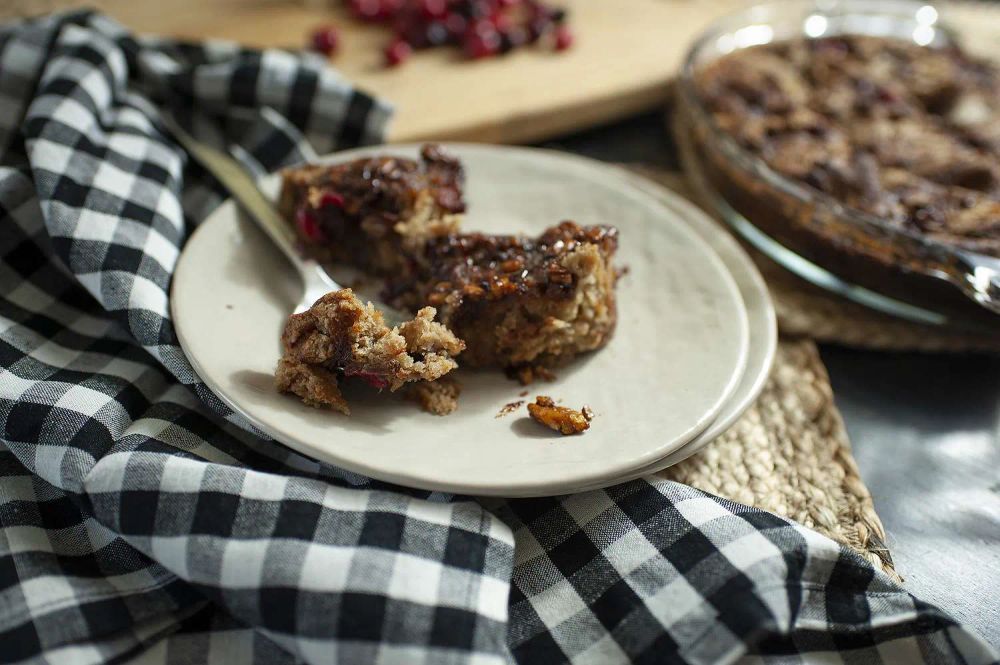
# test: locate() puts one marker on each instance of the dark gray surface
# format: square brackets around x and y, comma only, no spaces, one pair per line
[925,431]
[926,436]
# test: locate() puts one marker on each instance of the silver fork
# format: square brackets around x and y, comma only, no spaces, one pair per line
[316,281]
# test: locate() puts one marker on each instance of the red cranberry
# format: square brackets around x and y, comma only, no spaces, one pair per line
[456,25]
[481,27]
[308,225]
[501,22]
[367,10]
[482,44]
[391,7]
[433,8]
[331,199]
[413,33]
[325,40]
[564,38]
[398,52]
[374,380]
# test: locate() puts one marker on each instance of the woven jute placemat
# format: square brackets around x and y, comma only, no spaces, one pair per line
[789,453]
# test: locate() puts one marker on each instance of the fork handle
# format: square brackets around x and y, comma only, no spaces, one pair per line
[247,194]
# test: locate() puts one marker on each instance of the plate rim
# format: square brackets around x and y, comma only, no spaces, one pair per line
[720,425]
[688,208]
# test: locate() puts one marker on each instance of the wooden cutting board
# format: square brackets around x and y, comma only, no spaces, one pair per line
[626,54]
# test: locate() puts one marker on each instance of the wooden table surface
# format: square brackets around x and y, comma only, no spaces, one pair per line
[626,54]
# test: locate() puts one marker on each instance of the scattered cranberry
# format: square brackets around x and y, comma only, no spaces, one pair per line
[309,225]
[325,40]
[483,28]
[501,22]
[367,10]
[331,199]
[398,52]
[456,25]
[432,9]
[564,38]
[413,33]
[482,44]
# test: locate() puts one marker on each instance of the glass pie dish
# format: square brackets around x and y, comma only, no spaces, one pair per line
[820,237]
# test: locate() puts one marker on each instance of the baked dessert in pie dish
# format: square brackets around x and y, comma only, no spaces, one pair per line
[501,300]
[860,137]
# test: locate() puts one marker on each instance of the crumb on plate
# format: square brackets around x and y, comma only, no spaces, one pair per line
[528,374]
[560,418]
[437,397]
[509,408]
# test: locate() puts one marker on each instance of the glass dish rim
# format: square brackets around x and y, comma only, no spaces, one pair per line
[960,265]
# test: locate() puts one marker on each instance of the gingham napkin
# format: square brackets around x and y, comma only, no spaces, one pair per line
[141,519]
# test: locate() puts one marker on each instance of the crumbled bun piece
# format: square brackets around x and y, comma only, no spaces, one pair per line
[528,374]
[314,384]
[437,397]
[560,418]
[340,337]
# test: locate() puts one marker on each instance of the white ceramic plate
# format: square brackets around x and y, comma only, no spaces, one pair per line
[678,354]
[760,314]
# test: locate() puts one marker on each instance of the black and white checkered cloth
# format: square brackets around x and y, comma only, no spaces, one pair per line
[142,520]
